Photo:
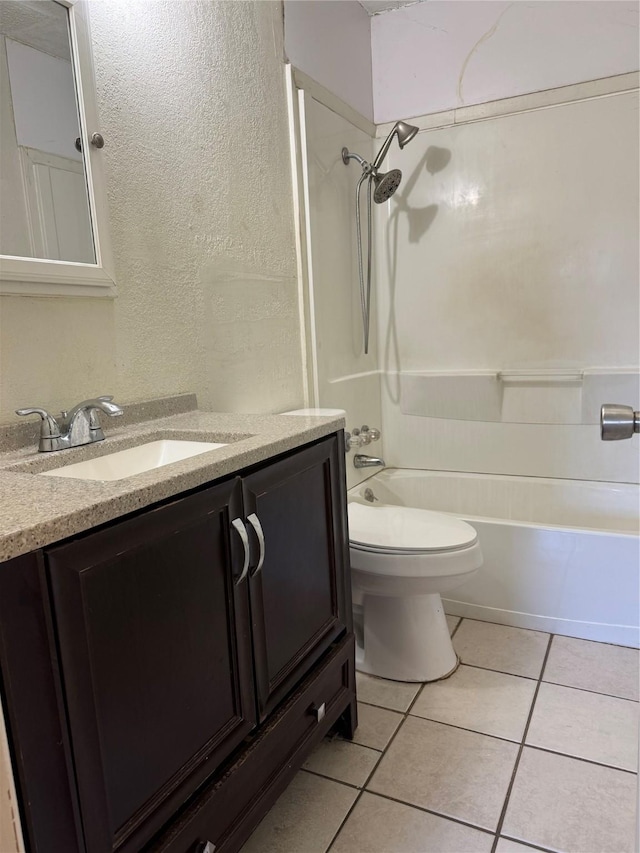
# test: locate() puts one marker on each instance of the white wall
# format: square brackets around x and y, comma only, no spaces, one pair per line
[346,377]
[330,40]
[512,244]
[202,226]
[14,224]
[438,55]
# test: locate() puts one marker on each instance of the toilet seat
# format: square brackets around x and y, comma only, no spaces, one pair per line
[390,529]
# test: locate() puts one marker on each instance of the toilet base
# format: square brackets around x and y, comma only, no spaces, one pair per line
[404,638]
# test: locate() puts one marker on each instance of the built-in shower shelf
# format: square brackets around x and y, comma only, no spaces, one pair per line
[541,377]
[543,396]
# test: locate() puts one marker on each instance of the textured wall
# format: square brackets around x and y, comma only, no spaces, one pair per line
[192,103]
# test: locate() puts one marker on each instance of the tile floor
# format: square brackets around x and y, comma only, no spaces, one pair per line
[531,745]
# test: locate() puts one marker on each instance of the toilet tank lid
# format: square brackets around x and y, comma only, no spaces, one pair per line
[402,528]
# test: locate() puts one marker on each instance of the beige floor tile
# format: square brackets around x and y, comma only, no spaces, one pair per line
[396,695]
[593,666]
[377,825]
[505,845]
[376,726]
[587,725]
[513,650]
[454,772]
[452,621]
[489,702]
[566,804]
[343,761]
[304,819]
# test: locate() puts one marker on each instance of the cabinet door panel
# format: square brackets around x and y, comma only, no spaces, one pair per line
[156,660]
[300,599]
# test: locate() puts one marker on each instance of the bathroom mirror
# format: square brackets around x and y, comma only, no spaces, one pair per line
[53,213]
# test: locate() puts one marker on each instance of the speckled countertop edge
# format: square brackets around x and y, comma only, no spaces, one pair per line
[37,511]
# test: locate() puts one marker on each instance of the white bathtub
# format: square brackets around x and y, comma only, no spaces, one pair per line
[559,555]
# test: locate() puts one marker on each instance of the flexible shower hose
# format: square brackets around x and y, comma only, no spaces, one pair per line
[365,292]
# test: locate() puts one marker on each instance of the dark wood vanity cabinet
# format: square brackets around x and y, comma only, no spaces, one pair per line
[191,654]
[155,651]
[298,597]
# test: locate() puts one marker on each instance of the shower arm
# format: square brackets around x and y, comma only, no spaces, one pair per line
[347,155]
[383,151]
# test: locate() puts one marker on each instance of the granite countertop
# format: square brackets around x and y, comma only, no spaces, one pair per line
[37,511]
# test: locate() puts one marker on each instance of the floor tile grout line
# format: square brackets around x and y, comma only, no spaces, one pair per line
[433,812]
[405,714]
[460,620]
[505,806]
[521,745]
[579,758]
[501,671]
[520,742]
[518,675]
[331,778]
[517,741]
[527,843]
[586,690]
[391,799]
[383,707]
[360,792]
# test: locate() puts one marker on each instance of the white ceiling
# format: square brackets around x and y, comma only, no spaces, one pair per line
[375,7]
[38,24]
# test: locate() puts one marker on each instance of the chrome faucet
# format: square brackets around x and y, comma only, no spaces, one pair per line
[362,461]
[77,427]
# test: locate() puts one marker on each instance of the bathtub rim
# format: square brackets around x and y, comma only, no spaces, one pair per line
[495,519]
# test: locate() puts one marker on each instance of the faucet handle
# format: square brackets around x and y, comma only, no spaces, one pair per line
[352,439]
[369,434]
[49,427]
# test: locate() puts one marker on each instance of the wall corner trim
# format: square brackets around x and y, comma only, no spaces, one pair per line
[332,102]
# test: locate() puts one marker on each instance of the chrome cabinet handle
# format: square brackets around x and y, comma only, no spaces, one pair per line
[238,525]
[254,521]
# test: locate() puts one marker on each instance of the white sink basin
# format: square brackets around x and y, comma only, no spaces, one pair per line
[126,463]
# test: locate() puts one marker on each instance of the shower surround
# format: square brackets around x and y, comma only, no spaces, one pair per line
[506,304]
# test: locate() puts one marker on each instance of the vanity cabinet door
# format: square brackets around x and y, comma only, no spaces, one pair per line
[300,595]
[152,622]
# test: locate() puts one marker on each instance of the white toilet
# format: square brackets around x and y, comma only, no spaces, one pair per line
[402,559]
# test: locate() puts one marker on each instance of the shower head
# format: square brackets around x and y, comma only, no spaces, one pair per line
[405,133]
[386,184]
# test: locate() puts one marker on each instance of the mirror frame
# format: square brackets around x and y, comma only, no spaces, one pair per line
[45,277]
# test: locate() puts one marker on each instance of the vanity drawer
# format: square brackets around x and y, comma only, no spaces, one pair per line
[228,810]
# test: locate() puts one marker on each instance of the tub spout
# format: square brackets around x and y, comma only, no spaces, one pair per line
[360,460]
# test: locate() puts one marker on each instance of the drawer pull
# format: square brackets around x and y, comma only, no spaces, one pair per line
[318,711]
[254,521]
[238,525]
[205,847]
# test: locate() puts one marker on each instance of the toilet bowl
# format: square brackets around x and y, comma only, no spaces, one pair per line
[402,559]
